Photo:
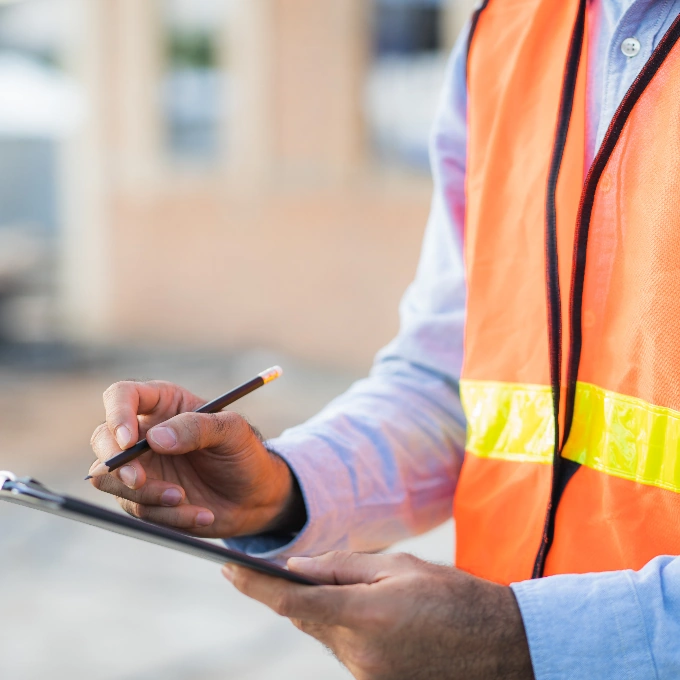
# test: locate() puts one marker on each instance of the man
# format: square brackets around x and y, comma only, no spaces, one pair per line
[565,300]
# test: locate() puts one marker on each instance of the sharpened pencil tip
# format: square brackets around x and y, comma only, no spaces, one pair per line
[88,477]
[97,470]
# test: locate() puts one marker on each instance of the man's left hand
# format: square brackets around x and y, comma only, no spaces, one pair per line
[397,617]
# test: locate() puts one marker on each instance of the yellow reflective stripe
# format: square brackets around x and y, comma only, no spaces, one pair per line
[625,437]
[616,434]
[509,420]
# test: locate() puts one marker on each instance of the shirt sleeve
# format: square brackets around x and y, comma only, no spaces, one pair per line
[622,624]
[381,462]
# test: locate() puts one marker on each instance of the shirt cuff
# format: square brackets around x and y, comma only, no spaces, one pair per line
[585,626]
[313,463]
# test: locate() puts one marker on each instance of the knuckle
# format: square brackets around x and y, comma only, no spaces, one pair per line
[112,391]
[219,424]
[342,558]
[115,418]
[124,504]
[208,429]
[134,509]
[231,419]
[117,400]
[192,426]
[165,390]
[97,434]
[282,603]
[336,555]
[176,518]
[406,559]
[313,629]
[107,484]
[109,391]
[304,626]
[141,511]
[300,625]
[241,580]
[233,425]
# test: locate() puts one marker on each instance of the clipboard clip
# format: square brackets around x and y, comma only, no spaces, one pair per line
[6,476]
[26,486]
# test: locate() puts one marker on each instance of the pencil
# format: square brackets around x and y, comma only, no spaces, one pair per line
[213,406]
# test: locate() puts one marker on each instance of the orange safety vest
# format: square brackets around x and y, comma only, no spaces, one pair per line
[571,374]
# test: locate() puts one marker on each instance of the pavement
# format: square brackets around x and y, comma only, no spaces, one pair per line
[78,602]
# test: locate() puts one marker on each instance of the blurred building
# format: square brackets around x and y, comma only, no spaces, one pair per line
[244,172]
[218,174]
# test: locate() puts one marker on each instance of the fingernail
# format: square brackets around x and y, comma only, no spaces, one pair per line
[128,475]
[164,436]
[228,573]
[97,468]
[298,561]
[171,497]
[205,518]
[123,436]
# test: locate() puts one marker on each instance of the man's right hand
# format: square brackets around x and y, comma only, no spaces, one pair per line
[208,474]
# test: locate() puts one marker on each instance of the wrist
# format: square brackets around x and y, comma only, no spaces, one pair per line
[510,644]
[290,515]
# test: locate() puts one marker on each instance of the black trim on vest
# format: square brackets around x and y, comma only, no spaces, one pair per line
[565,468]
[616,126]
[553,280]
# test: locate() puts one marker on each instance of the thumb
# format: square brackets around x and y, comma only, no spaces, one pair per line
[347,568]
[225,431]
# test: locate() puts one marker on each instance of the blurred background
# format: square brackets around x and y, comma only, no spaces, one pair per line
[192,190]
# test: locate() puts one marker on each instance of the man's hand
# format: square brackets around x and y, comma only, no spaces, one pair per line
[208,474]
[399,618]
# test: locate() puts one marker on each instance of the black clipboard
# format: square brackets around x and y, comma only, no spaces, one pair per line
[32,494]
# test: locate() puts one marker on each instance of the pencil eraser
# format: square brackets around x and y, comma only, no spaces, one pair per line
[271,374]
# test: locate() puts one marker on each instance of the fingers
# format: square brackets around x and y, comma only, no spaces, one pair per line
[154,492]
[192,431]
[105,446]
[158,502]
[328,605]
[184,516]
[126,400]
[345,568]
[182,433]
[123,402]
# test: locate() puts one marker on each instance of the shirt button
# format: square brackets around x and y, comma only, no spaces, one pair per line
[630,47]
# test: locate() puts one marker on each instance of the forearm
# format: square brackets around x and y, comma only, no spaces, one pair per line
[376,465]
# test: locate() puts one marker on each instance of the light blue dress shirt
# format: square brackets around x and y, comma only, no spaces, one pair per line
[381,462]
